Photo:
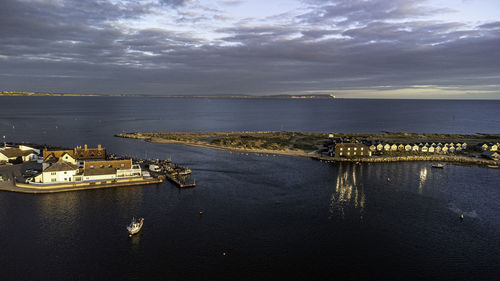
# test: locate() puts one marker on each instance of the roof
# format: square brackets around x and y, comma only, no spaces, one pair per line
[127,164]
[99,171]
[61,166]
[349,144]
[92,153]
[56,153]
[16,152]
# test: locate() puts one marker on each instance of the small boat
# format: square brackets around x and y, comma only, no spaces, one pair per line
[154,168]
[438,166]
[135,226]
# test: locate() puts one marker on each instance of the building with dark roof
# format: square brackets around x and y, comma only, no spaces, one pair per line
[11,154]
[352,150]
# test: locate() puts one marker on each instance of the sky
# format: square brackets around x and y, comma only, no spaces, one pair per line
[353,49]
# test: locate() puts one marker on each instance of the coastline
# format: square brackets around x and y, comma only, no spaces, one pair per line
[460,159]
[13,186]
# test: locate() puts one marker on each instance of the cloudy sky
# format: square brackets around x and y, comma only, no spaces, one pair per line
[352,48]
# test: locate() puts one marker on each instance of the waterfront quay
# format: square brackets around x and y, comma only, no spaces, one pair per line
[36,169]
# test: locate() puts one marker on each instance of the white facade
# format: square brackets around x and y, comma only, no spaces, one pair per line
[68,158]
[134,171]
[56,176]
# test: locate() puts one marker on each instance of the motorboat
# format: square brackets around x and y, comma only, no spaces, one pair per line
[135,226]
[439,165]
[154,168]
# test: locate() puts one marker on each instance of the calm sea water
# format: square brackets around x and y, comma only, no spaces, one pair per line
[274,217]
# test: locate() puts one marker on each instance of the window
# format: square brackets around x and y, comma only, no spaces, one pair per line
[53,173]
[122,165]
[110,166]
[354,153]
[355,148]
[362,148]
[340,153]
[65,179]
[53,180]
[65,173]
[348,148]
[341,149]
[91,166]
[102,166]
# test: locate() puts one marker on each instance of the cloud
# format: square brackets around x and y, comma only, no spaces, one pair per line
[114,47]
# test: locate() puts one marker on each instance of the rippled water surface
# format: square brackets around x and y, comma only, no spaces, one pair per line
[264,216]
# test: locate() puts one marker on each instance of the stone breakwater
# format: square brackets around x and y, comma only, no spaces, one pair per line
[430,158]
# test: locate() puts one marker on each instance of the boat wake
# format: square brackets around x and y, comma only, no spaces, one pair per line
[471,214]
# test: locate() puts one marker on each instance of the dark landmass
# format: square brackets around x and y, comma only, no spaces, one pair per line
[9,93]
[317,145]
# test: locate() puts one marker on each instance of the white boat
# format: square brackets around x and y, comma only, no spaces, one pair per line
[135,226]
[438,165]
[154,168]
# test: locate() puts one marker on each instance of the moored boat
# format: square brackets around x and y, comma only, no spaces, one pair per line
[135,226]
[439,165]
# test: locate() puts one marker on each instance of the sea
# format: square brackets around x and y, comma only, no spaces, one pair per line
[264,216]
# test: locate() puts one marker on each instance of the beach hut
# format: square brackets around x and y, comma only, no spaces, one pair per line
[452,144]
[494,147]
[394,147]
[380,147]
[373,148]
[415,148]
[485,147]
[424,149]
[407,147]
[451,149]
[445,149]
[387,147]
[438,149]
[439,144]
[431,149]
[433,144]
[458,148]
[464,145]
[401,147]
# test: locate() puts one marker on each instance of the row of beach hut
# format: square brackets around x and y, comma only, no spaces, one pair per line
[490,147]
[421,147]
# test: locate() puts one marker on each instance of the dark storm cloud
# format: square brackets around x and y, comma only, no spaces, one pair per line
[174,3]
[77,46]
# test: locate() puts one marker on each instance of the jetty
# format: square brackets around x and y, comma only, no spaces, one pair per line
[177,174]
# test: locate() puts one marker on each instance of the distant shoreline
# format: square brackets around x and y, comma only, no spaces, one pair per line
[37,94]
[312,141]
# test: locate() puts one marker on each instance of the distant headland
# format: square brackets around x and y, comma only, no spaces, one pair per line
[476,149]
[39,94]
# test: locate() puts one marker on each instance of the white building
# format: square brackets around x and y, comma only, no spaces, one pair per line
[13,153]
[59,172]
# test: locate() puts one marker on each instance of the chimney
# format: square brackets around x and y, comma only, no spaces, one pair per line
[99,147]
[85,147]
